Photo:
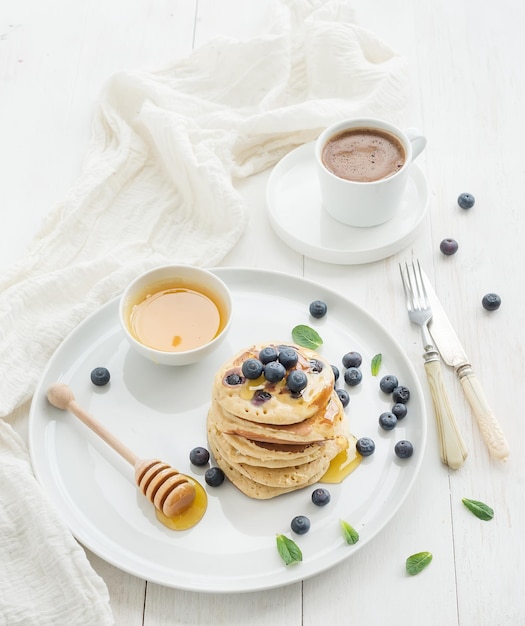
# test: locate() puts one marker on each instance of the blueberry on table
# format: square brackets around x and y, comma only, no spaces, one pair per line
[387,420]
[274,371]
[401,394]
[199,456]
[320,496]
[365,446]
[404,449]
[288,357]
[214,476]
[466,200]
[353,376]
[318,309]
[399,410]
[296,381]
[388,383]
[449,246]
[300,524]
[344,396]
[268,354]
[491,301]
[252,368]
[352,359]
[100,376]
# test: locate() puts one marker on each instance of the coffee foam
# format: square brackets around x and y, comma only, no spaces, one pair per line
[363,154]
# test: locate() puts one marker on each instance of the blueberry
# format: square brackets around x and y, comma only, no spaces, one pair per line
[365,446]
[100,376]
[320,496]
[252,368]
[268,354]
[318,308]
[466,200]
[387,420]
[274,371]
[199,456]
[404,449]
[388,383]
[296,381]
[449,246]
[344,396]
[335,370]
[234,379]
[401,394]
[491,301]
[353,376]
[352,359]
[214,476]
[288,357]
[300,524]
[399,410]
[316,366]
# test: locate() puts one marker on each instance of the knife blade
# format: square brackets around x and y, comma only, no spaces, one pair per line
[454,355]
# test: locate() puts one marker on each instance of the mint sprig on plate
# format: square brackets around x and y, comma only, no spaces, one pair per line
[288,550]
[306,337]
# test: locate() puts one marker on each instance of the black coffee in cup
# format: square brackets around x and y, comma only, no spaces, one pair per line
[363,154]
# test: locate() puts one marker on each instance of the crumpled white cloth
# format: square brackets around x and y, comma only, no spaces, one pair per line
[157,187]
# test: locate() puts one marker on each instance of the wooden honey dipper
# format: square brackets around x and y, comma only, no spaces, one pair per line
[170,492]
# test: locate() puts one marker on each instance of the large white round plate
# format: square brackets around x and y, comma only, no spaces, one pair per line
[160,412]
[296,214]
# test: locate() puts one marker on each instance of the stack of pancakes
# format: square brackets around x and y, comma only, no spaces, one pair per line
[267,439]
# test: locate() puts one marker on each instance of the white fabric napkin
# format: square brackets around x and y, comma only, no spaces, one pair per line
[157,187]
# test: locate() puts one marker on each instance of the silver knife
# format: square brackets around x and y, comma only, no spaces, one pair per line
[453,354]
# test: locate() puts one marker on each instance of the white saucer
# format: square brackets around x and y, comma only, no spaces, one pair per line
[294,208]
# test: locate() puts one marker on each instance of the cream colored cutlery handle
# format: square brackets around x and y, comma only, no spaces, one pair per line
[488,424]
[452,448]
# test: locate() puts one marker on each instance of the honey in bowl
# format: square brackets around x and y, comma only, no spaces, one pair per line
[176,319]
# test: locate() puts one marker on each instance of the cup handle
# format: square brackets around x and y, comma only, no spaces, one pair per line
[417,140]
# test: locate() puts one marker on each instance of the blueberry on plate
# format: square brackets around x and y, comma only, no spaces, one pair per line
[100,376]
[387,420]
[300,524]
[320,496]
[352,359]
[199,456]
[388,383]
[344,396]
[399,410]
[336,372]
[401,394]
[214,476]
[466,200]
[491,301]
[404,449]
[449,246]
[353,376]
[318,309]
[365,446]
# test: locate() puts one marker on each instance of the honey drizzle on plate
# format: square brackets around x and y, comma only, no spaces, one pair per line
[341,466]
[190,516]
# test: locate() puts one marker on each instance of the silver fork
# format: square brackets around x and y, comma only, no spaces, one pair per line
[452,448]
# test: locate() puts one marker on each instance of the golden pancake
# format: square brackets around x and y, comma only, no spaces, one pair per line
[266,402]
[326,424]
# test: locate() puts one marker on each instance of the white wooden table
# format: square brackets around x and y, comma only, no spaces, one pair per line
[466,62]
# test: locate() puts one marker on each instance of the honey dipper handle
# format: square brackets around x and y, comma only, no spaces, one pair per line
[61,396]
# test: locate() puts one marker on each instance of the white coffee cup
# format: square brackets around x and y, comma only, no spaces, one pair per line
[370,202]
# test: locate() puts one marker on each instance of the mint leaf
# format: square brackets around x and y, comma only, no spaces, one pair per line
[288,550]
[376,364]
[417,562]
[480,509]
[349,533]
[306,337]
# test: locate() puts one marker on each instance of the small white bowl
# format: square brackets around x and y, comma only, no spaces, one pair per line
[174,278]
